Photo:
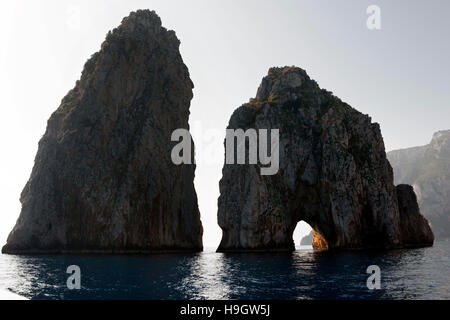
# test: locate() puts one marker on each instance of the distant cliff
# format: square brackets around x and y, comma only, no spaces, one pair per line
[427,169]
[333,174]
[103,179]
[307,240]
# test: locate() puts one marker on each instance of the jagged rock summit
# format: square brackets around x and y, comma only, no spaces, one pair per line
[333,174]
[427,169]
[103,179]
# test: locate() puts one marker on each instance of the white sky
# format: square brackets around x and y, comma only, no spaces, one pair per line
[399,74]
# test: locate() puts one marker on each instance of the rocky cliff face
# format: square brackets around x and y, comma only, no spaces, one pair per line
[333,174]
[427,169]
[103,179]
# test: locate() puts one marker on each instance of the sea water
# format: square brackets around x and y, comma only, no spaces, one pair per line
[304,274]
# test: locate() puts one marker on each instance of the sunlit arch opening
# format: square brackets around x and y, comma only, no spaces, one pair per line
[302,230]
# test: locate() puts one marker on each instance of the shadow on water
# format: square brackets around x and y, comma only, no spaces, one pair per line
[303,274]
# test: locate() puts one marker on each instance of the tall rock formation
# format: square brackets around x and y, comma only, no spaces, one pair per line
[103,179]
[427,169]
[333,174]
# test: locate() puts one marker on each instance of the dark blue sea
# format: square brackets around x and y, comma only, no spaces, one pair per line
[303,274]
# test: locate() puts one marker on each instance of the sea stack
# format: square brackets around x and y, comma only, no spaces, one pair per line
[427,169]
[333,174]
[103,179]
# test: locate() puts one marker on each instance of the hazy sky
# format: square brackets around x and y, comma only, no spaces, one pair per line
[399,75]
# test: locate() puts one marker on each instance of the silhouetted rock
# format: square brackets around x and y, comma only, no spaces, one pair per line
[333,174]
[415,229]
[103,179]
[427,169]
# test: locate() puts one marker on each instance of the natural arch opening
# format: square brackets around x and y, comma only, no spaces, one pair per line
[302,236]
[305,237]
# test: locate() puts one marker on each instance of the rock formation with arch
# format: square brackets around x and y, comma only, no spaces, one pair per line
[333,174]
